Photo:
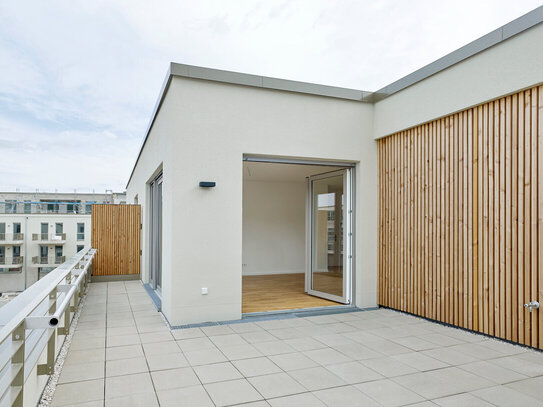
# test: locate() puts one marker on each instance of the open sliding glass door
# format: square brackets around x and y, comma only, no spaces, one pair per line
[155,230]
[329,237]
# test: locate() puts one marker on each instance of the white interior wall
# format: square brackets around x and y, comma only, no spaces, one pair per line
[273,227]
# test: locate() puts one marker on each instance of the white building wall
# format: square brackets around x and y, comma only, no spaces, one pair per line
[155,157]
[31,224]
[210,126]
[204,128]
[505,68]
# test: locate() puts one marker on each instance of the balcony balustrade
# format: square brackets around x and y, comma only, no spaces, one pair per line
[46,207]
[53,238]
[10,238]
[11,261]
[48,260]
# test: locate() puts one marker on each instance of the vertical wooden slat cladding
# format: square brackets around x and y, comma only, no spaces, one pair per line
[461,218]
[116,234]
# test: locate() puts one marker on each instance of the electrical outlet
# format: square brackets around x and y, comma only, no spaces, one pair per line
[204,290]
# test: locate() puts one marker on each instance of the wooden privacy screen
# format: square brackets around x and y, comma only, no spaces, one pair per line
[116,231]
[461,218]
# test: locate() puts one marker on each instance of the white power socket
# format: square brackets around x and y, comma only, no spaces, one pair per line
[204,290]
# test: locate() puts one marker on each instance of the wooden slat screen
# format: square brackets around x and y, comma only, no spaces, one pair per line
[461,218]
[116,231]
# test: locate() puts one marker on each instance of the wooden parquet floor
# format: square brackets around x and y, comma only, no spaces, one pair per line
[276,292]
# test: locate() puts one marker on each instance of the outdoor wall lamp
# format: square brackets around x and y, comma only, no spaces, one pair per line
[207,184]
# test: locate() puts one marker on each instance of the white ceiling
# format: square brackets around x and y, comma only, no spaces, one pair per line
[282,172]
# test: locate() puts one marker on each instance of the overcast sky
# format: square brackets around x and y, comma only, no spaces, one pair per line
[79,79]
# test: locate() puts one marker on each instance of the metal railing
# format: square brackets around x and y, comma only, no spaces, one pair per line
[11,237]
[48,259]
[11,261]
[49,237]
[30,324]
[21,207]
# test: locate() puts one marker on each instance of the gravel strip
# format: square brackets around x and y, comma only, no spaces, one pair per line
[50,387]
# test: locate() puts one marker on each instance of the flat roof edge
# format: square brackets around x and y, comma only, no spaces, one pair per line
[238,78]
[161,96]
[495,37]
[481,44]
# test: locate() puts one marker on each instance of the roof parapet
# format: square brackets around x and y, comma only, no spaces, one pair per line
[495,37]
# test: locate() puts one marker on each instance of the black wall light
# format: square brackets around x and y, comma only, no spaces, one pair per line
[207,184]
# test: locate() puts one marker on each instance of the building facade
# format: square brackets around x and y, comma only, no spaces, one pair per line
[38,231]
[282,177]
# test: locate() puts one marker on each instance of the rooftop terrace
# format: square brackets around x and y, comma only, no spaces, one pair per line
[123,354]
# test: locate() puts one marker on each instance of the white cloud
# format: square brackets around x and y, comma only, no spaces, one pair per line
[79,80]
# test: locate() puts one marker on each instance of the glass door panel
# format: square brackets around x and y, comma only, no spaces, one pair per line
[329,271]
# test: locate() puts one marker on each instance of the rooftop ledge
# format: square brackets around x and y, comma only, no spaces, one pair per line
[495,37]
[501,34]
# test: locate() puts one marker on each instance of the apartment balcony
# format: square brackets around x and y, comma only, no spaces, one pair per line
[48,261]
[49,238]
[11,238]
[12,262]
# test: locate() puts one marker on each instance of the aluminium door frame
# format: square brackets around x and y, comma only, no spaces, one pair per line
[352,166]
[154,239]
[348,237]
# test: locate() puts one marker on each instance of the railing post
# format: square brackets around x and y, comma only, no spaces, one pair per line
[18,364]
[48,368]
[89,271]
[82,284]
[75,307]
[65,330]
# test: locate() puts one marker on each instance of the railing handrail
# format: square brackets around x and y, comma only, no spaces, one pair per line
[30,323]
[14,312]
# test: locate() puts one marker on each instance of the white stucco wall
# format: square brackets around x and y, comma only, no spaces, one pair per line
[203,128]
[155,157]
[210,126]
[273,227]
[507,67]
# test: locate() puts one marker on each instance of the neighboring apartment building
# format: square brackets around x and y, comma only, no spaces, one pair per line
[38,231]
[235,170]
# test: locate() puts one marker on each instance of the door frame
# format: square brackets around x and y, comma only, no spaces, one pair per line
[155,253]
[348,236]
[346,164]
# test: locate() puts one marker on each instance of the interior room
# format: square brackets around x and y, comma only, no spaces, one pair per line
[278,239]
